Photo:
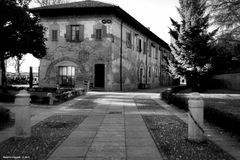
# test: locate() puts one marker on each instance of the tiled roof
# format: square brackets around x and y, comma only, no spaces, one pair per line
[80,4]
[96,8]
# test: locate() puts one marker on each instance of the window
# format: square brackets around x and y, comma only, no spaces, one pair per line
[66,76]
[54,35]
[128,40]
[156,53]
[74,33]
[144,47]
[98,34]
[150,52]
[75,30]
[139,45]
[153,51]
[149,72]
[156,71]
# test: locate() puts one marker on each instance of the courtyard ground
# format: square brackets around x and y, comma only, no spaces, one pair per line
[115,127]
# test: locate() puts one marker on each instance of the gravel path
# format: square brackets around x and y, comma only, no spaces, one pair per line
[170,136]
[46,136]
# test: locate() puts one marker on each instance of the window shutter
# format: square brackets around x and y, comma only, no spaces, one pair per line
[50,35]
[104,31]
[150,50]
[127,40]
[156,53]
[81,34]
[144,47]
[133,41]
[68,33]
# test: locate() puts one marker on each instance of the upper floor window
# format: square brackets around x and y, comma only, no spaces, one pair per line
[156,53]
[98,34]
[144,47]
[54,35]
[75,33]
[153,51]
[139,45]
[128,40]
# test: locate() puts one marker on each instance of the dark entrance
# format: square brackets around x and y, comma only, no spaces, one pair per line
[99,75]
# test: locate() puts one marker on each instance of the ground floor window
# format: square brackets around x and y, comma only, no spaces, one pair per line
[66,76]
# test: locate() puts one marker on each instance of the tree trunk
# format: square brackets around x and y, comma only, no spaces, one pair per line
[18,67]
[3,68]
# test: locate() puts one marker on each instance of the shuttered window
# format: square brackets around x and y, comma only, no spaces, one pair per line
[128,40]
[144,47]
[75,33]
[156,54]
[99,34]
[139,45]
[149,72]
[54,35]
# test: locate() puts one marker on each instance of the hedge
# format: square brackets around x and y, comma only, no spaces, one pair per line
[226,120]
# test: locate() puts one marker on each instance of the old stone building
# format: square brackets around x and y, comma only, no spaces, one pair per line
[101,43]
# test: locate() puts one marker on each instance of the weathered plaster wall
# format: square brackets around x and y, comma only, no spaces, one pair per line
[83,55]
[132,59]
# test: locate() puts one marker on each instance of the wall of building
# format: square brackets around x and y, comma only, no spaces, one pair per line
[133,60]
[230,81]
[82,55]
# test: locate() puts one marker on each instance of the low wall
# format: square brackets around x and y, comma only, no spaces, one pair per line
[229,81]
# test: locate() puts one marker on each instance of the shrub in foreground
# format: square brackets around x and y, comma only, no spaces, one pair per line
[4,115]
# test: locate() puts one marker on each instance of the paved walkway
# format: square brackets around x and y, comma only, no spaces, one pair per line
[113,130]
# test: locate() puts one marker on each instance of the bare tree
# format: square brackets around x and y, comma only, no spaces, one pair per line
[16,63]
[50,2]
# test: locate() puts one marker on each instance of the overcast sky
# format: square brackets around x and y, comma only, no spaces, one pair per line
[151,13]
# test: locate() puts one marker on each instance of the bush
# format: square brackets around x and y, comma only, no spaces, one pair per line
[228,121]
[7,98]
[4,115]
[213,114]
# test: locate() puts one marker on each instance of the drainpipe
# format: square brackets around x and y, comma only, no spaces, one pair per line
[146,75]
[121,85]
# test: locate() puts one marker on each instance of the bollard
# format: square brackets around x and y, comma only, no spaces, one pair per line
[195,118]
[50,95]
[22,115]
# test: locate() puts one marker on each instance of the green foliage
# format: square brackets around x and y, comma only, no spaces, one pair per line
[192,44]
[4,115]
[226,15]
[21,32]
